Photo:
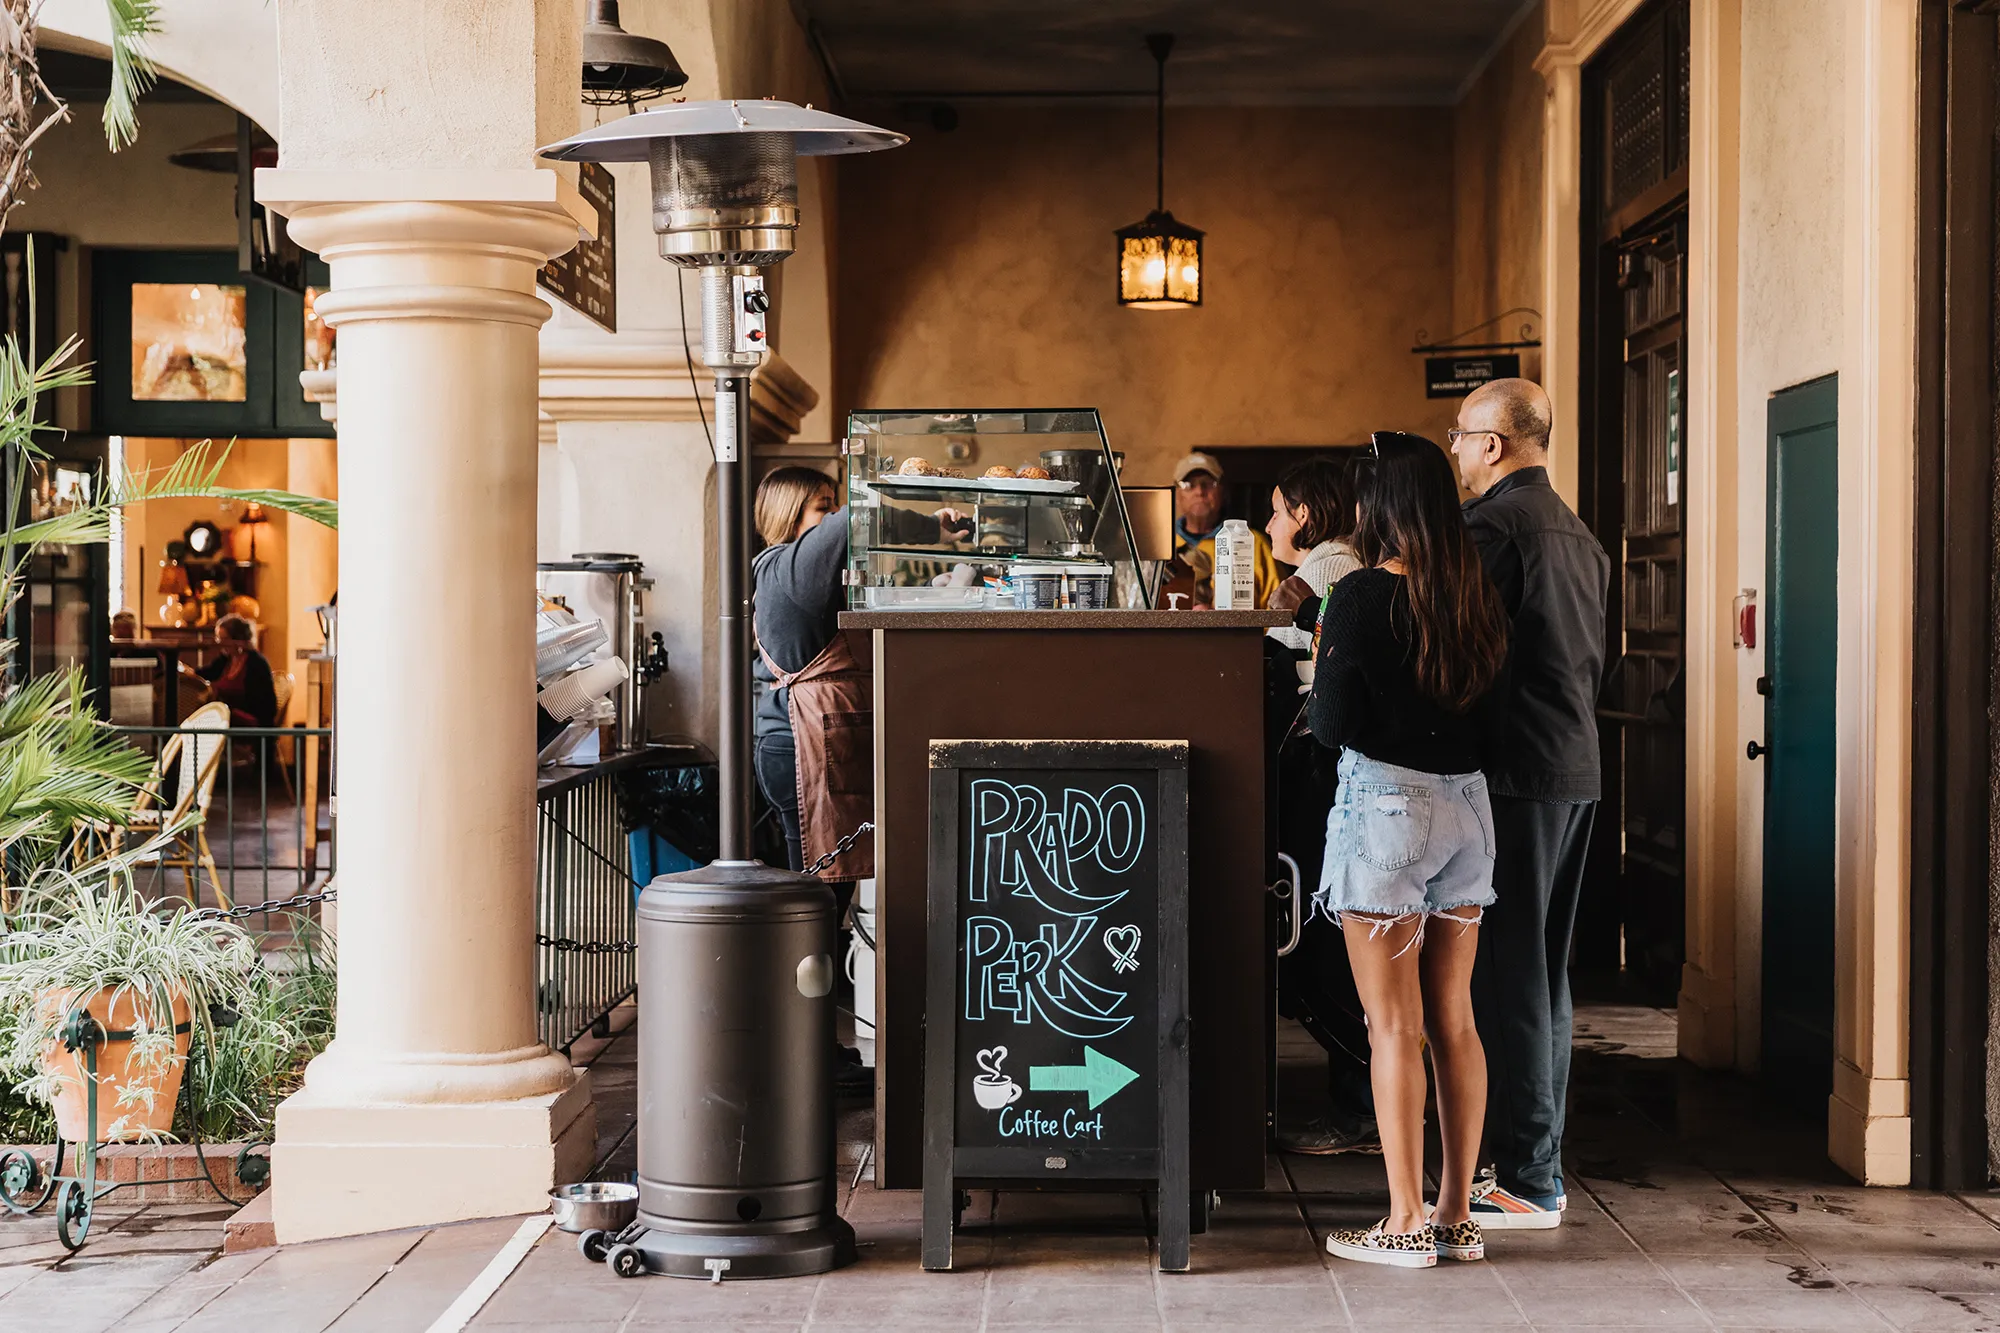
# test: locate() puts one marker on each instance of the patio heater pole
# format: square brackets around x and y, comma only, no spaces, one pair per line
[736,1034]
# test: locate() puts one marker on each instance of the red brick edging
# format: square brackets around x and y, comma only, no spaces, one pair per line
[121,1163]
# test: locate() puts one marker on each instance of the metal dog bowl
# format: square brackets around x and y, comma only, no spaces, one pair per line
[594,1205]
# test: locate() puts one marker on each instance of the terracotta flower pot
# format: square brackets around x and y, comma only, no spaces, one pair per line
[117,1067]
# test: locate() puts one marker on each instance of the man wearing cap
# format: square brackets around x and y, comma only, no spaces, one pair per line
[1198,514]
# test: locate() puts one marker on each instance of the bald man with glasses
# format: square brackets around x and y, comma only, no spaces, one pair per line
[1544,782]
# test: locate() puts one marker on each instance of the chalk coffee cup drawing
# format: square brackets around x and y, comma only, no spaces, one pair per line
[991,1088]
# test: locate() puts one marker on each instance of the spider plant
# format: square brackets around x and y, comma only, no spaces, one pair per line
[83,937]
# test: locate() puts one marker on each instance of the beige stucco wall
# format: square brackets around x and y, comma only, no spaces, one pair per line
[978,270]
[1792,140]
[1497,192]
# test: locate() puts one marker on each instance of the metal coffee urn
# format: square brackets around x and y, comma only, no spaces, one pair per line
[736,1155]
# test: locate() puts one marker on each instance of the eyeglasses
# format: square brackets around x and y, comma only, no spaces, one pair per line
[1455,435]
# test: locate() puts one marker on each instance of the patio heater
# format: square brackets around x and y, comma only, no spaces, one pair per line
[736,1144]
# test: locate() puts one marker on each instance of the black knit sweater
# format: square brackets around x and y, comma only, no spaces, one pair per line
[1365,694]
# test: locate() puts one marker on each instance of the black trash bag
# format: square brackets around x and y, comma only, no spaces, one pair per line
[682,805]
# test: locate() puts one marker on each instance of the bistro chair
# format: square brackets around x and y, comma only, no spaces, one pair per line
[282,686]
[193,755]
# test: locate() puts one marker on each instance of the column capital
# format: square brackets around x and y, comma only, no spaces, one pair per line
[451,244]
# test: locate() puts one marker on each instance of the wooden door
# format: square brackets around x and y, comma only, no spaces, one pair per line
[1646,704]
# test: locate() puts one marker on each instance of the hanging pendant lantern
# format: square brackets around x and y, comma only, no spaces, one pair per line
[1159,259]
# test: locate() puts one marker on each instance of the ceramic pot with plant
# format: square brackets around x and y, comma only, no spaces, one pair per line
[144,973]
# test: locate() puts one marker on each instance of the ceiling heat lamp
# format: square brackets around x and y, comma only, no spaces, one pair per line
[620,68]
[736,1166]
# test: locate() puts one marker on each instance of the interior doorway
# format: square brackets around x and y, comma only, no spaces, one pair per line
[1633,467]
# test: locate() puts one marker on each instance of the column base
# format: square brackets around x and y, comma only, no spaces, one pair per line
[343,1169]
[1707,1020]
[1868,1126]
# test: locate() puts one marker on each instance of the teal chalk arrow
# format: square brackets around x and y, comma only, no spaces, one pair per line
[1099,1075]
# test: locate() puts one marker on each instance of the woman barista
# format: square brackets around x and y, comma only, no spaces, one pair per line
[815,751]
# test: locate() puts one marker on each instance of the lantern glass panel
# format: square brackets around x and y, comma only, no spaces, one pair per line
[1157,272]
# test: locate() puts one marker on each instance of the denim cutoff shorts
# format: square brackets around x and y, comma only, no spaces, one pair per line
[1400,842]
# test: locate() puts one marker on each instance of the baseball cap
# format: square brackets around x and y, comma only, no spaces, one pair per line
[1197,462]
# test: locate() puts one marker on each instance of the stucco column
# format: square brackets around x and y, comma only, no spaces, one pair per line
[436,1100]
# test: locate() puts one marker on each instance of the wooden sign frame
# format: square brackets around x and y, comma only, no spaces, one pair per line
[946,1164]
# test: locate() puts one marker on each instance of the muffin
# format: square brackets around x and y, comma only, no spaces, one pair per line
[917,467]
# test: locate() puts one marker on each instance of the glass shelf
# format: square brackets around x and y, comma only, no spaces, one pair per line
[1076,516]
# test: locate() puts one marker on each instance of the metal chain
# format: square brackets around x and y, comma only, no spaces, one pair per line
[841,848]
[558,943]
[252,909]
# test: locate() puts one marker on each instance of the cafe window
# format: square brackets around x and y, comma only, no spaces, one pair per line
[186,345]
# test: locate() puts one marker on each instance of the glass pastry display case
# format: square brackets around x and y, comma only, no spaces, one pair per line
[988,510]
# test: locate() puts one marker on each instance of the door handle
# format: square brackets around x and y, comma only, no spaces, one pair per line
[1291,890]
[1764,686]
[1753,749]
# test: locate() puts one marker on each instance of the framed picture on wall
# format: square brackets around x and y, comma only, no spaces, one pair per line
[184,345]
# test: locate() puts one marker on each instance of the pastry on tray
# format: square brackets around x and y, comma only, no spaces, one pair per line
[1034,474]
[999,473]
[917,467]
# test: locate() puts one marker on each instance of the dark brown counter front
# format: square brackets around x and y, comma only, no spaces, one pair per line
[1083,675]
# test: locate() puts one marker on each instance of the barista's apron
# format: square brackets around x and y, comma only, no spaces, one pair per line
[831,703]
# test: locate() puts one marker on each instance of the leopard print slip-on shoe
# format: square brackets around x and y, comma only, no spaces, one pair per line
[1379,1245]
[1460,1240]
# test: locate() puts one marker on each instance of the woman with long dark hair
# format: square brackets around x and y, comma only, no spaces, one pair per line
[1409,647]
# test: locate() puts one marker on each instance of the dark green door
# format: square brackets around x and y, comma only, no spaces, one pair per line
[1802,547]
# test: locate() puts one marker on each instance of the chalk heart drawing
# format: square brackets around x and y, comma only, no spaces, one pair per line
[1123,944]
[991,1088]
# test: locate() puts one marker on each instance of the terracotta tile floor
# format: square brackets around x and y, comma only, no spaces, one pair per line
[1692,1205]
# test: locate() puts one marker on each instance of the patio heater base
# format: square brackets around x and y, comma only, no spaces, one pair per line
[822,1247]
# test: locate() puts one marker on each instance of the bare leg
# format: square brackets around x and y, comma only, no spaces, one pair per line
[1450,945]
[1386,962]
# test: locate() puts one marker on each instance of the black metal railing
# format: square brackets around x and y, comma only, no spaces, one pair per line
[583,898]
[266,827]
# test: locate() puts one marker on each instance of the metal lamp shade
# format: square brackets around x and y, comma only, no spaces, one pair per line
[620,68]
[1159,264]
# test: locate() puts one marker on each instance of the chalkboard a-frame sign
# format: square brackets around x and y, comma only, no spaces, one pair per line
[1056,1023]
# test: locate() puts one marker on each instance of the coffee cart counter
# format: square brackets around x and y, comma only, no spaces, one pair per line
[1083,675]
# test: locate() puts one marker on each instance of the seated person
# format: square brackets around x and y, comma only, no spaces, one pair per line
[241,677]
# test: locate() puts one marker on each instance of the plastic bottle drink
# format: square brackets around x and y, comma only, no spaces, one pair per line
[1235,567]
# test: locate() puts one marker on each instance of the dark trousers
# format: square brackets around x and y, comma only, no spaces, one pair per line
[778,778]
[1520,985]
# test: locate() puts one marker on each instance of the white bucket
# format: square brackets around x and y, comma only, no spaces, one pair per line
[861,970]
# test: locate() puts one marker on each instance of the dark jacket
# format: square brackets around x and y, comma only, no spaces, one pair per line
[1553,576]
[253,694]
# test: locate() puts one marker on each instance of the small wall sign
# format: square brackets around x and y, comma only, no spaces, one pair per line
[1457,376]
[586,279]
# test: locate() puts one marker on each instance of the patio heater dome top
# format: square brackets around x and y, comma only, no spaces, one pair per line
[813,133]
[725,174]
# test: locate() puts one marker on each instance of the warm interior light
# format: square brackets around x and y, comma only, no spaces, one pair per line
[1191,275]
[194,293]
[1156,269]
